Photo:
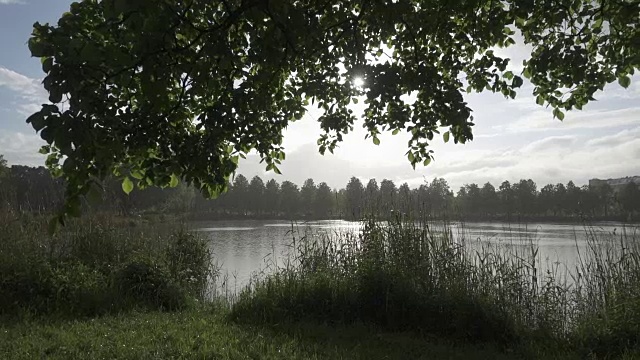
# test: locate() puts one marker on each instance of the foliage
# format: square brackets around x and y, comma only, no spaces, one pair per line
[156,92]
[189,260]
[630,197]
[147,283]
[96,266]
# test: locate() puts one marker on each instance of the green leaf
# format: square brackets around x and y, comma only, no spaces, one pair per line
[624,81]
[136,174]
[427,161]
[445,136]
[47,64]
[395,132]
[558,113]
[37,121]
[174,181]
[127,185]
[540,100]
[90,53]
[517,81]
[47,135]
[376,140]
[36,47]
[55,95]
[44,150]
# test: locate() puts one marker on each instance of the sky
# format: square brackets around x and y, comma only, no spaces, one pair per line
[513,139]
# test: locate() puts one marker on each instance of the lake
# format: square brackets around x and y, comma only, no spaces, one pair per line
[243,248]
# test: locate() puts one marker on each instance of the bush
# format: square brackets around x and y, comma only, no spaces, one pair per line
[189,261]
[65,288]
[148,283]
[94,267]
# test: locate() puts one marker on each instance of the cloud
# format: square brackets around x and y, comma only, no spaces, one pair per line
[551,143]
[8,2]
[29,91]
[615,91]
[542,120]
[18,82]
[615,139]
[558,159]
[21,148]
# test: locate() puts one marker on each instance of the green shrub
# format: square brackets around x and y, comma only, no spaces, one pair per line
[25,287]
[95,266]
[148,283]
[66,288]
[189,261]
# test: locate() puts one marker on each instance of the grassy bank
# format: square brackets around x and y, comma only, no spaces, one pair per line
[208,334]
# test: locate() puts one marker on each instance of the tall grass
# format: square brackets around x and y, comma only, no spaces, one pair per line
[97,265]
[403,275]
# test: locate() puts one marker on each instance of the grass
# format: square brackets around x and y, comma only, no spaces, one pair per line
[206,333]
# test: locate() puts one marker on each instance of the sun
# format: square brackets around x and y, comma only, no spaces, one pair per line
[358,82]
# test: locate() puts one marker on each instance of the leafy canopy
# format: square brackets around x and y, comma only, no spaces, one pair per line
[156,91]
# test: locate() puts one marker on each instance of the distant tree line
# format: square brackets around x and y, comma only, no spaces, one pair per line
[26,188]
[524,199]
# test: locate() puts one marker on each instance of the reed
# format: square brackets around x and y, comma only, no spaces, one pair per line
[417,275]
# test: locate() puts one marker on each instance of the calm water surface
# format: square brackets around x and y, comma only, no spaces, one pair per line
[243,248]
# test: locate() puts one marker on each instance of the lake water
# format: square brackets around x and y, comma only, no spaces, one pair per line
[244,248]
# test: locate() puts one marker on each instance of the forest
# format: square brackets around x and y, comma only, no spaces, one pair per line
[34,189]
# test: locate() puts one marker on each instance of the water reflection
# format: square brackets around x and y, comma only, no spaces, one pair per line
[244,247]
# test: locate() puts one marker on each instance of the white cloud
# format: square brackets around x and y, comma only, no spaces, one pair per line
[28,90]
[18,82]
[551,143]
[558,159]
[621,137]
[7,2]
[542,120]
[21,148]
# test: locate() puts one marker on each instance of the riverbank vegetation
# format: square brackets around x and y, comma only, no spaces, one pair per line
[114,288]
[98,265]
[406,276]
[33,189]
